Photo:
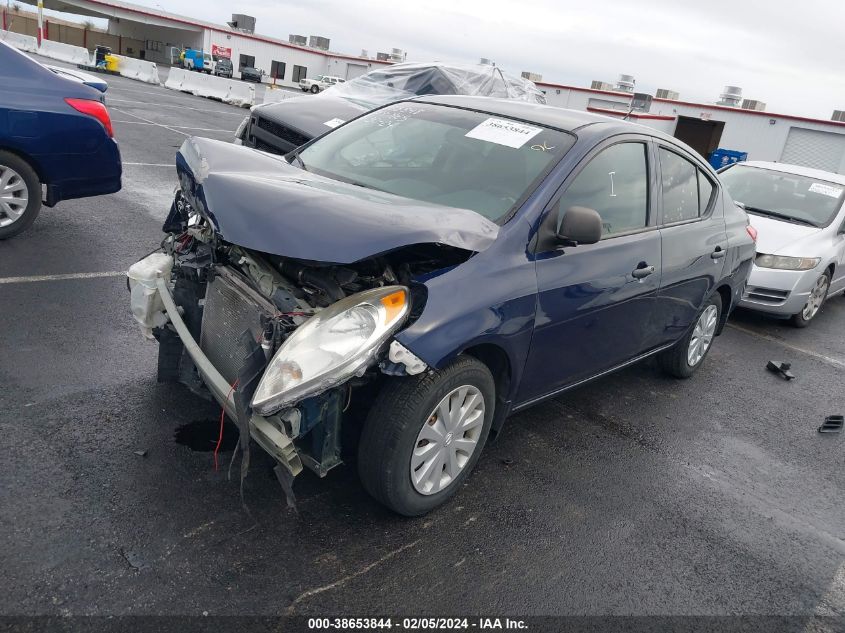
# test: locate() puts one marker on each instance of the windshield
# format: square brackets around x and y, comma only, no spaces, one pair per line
[438,154]
[783,195]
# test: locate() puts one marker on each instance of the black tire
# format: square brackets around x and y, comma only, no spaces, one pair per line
[33,191]
[315,89]
[394,423]
[798,320]
[675,361]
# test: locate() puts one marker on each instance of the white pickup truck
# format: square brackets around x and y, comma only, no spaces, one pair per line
[320,82]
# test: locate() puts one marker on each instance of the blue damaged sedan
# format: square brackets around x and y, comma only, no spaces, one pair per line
[396,288]
[56,139]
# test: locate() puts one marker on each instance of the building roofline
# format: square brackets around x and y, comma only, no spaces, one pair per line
[220,29]
[771,115]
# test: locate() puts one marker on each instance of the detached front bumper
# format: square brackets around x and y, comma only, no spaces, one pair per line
[267,432]
[780,292]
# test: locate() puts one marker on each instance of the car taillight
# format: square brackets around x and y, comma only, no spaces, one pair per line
[94,109]
[752,232]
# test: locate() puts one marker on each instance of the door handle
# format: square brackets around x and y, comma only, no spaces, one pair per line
[718,253]
[643,272]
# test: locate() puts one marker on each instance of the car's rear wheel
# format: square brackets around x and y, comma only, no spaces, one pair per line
[688,354]
[20,195]
[315,89]
[424,435]
[814,302]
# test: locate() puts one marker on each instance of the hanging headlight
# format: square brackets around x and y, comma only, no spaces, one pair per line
[332,346]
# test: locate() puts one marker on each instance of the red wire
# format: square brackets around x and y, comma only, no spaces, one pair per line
[222,416]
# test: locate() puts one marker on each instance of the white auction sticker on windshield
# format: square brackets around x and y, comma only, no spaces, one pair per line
[826,190]
[333,123]
[504,132]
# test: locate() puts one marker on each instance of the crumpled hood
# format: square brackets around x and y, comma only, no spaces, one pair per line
[259,201]
[776,236]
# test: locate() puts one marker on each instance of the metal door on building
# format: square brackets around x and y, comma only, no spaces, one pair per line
[355,70]
[814,148]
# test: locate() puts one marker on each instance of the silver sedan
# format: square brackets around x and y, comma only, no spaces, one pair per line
[799,216]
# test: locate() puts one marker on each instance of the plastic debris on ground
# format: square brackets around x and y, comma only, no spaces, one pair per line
[832,424]
[780,368]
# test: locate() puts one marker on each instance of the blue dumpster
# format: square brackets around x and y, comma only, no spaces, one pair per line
[723,157]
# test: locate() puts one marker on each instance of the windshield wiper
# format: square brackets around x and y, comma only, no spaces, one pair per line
[295,155]
[781,216]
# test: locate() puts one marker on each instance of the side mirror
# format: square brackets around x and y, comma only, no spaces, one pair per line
[580,225]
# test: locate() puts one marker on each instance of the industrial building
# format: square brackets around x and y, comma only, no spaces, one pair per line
[154,34]
[731,122]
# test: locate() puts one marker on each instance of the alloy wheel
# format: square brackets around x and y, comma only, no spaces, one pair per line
[702,335]
[816,299]
[447,440]
[14,197]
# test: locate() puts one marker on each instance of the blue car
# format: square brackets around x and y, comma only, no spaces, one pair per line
[55,137]
[399,286]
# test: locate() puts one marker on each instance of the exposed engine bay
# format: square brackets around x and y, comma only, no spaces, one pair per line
[242,306]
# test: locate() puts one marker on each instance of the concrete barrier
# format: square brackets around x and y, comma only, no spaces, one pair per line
[64,52]
[138,69]
[22,42]
[225,90]
[175,76]
[274,95]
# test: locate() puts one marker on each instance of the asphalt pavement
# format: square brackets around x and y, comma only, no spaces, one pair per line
[634,495]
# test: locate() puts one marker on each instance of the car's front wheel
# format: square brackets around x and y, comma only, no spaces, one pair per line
[20,195]
[814,302]
[688,354]
[424,435]
[315,89]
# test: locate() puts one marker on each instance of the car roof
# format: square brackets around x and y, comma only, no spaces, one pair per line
[798,170]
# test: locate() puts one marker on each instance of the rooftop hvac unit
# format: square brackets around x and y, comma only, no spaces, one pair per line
[531,76]
[662,93]
[241,22]
[751,104]
[299,40]
[601,85]
[365,52]
[641,102]
[625,83]
[398,51]
[383,57]
[838,115]
[318,41]
[731,96]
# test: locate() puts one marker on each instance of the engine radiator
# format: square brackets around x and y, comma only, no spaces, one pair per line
[231,307]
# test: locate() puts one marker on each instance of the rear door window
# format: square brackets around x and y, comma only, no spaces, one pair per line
[680,188]
[615,184]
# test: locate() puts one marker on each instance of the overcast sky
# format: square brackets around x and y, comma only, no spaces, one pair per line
[791,56]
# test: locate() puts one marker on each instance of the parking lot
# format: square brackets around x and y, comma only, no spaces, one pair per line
[637,494]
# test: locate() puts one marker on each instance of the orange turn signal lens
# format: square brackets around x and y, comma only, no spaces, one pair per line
[393,304]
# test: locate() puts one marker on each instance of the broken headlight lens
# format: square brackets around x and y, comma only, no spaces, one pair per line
[332,346]
[782,262]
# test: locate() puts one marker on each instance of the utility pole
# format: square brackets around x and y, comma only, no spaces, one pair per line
[40,21]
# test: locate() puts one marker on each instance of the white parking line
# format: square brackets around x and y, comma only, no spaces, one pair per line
[180,127]
[766,337]
[149,164]
[140,104]
[166,127]
[35,278]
